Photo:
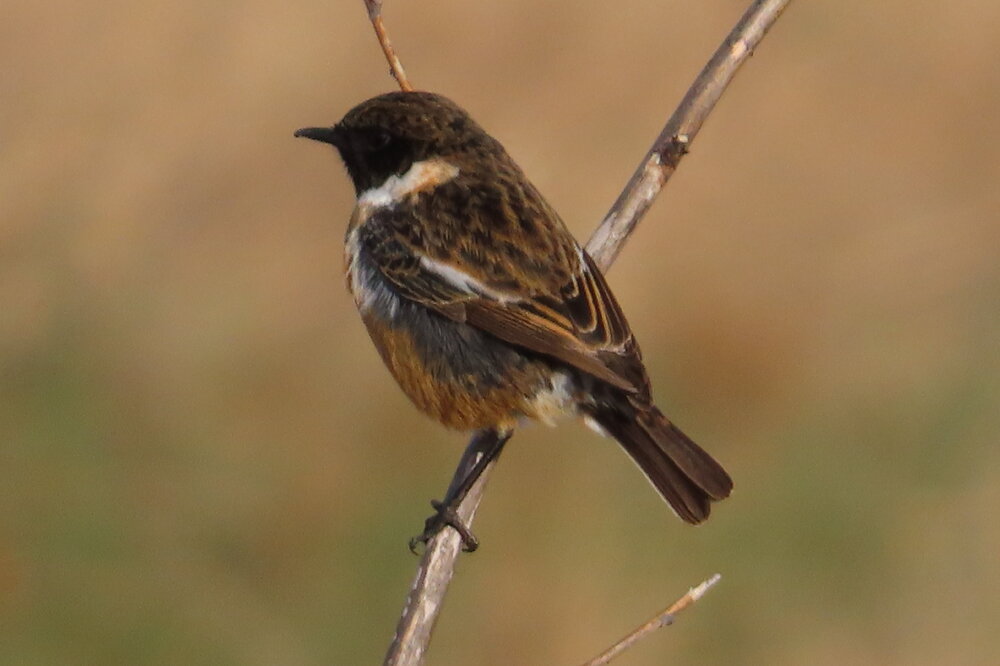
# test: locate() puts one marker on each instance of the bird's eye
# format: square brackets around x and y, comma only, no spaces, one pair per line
[379,139]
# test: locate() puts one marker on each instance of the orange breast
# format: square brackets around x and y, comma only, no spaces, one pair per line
[464,401]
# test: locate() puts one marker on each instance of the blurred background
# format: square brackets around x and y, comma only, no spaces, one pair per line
[203,461]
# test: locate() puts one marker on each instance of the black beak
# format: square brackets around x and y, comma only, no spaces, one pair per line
[331,135]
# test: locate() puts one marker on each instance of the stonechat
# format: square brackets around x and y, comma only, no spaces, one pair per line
[482,304]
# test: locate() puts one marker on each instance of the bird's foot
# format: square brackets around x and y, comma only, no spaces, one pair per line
[444,516]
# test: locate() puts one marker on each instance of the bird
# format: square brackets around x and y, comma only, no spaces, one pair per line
[485,308]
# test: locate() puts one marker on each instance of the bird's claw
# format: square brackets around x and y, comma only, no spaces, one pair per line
[444,515]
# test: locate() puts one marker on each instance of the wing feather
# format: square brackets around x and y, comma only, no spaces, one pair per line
[579,322]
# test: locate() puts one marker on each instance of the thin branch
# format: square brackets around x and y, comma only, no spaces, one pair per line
[661,619]
[438,562]
[374,8]
[682,127]
[423,605]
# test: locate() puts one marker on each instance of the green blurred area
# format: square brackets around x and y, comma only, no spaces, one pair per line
[203,460]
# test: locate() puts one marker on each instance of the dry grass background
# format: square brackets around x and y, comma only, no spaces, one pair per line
[204,462]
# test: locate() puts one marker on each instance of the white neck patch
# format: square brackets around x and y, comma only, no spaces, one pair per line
[423,175]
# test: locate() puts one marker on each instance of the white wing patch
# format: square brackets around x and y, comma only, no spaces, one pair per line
[461,280]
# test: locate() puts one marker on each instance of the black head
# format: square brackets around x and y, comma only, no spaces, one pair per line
[385,135]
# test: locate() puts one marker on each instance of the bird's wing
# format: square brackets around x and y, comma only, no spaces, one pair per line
[574,317]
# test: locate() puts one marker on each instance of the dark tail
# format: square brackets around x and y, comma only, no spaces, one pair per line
[684,474]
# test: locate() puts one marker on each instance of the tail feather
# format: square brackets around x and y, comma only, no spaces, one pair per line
[687,477]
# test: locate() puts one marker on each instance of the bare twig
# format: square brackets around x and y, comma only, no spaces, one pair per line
[437,565]
[680,130]
[661,619]
[423,605]
[374,8]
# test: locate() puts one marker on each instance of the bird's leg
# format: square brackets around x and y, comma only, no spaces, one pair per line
[484,448]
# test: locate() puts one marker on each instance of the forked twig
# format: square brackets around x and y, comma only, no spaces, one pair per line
[661,619]
[374,8]
[423,605]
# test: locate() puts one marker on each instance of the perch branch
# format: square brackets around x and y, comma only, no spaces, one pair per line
[423,604]
[672,143]
[374,8]
[413,632]
[661,619]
